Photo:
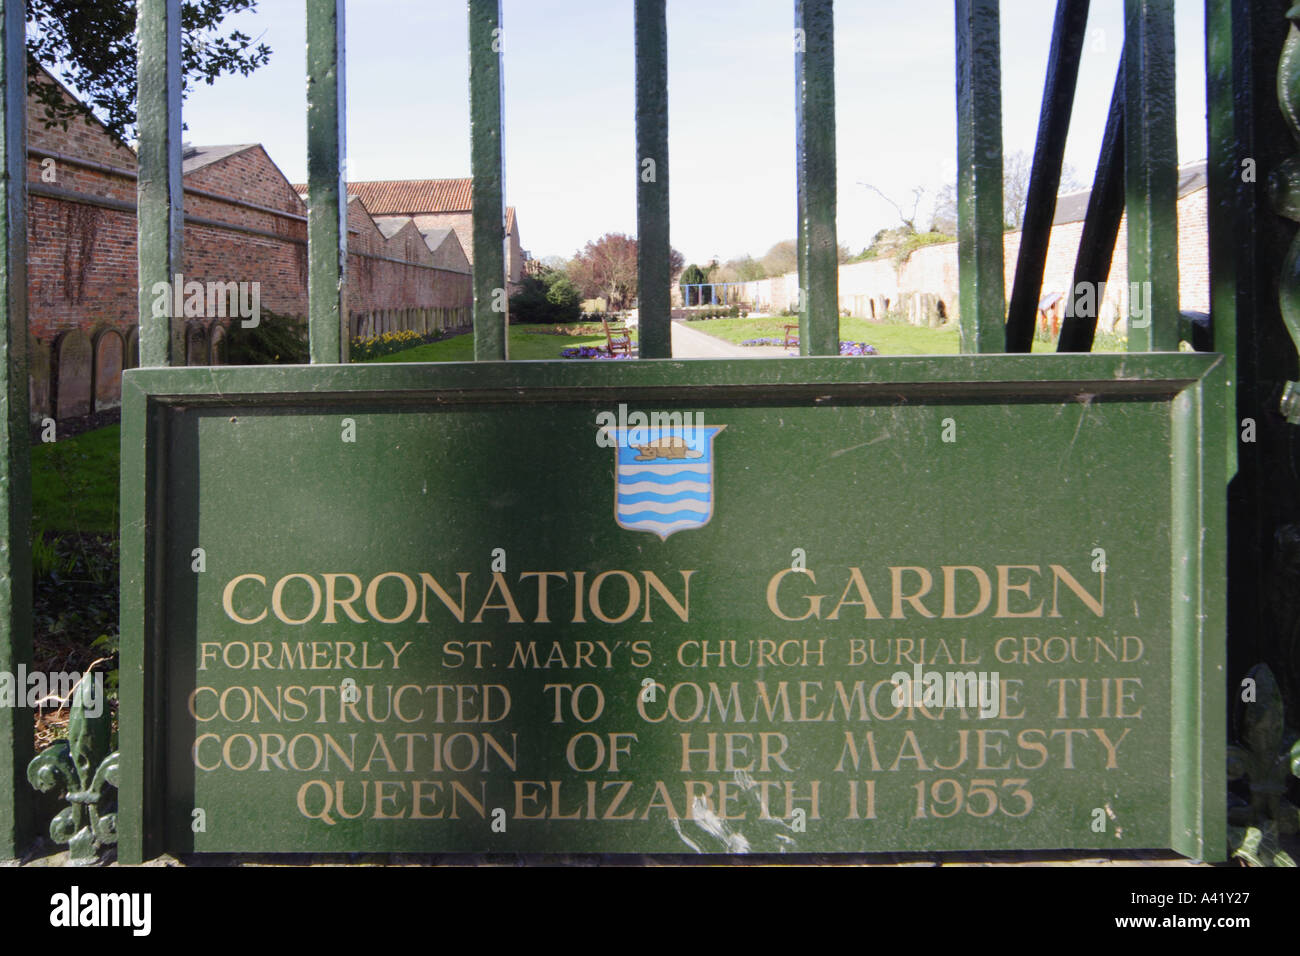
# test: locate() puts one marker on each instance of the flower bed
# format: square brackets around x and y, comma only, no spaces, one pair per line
[857,348]
[846,348]
[571,331]
[388,343]
[591,352]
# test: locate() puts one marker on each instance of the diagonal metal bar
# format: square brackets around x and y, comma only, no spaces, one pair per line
[1100,231]
[15,467]
[979,177]
[653,250]
[491,305]
[159,197]
[1151,175]
[1045,177]
[819,312]
[327,191]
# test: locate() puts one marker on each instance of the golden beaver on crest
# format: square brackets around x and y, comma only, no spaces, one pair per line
[668,447]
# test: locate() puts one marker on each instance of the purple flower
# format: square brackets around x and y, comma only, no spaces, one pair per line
[857,348]
[590,352]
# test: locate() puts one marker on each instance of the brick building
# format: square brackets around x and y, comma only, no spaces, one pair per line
[244,223]
[435,205]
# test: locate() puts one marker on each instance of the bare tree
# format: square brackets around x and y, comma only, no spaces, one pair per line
[908,221]
[1016,170]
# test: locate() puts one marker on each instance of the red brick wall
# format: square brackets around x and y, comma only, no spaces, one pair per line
[82,256]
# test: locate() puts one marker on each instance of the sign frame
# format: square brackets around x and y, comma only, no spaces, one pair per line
[1192,384]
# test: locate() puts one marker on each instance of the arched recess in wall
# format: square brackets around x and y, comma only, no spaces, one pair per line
[73,361]
[196,344]
[40,378]
[217,346]
[133,347]
[106,372]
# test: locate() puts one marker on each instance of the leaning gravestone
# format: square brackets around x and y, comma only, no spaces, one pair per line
[108,370]
[905,604]
[73,358]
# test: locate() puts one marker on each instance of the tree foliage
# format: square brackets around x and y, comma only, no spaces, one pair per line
[607,268]
[781,258]
[546,297]
[693,275]
[90,45]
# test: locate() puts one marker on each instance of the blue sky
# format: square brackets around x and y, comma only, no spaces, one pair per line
[570,129]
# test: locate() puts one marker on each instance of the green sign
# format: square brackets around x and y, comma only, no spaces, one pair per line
[904,604]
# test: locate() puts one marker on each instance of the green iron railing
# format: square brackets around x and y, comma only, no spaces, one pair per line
[1137,170]
[15,467]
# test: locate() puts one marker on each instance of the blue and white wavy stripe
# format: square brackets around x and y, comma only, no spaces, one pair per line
[632,512]
[655,496]
[667,471]
[667,490]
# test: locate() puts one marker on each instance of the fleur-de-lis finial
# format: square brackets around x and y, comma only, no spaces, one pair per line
[81,767]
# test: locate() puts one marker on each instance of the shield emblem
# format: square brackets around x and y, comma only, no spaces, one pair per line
[663,478]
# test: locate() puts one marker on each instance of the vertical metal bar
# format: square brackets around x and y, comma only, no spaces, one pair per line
[491,305]
[1197,698]
[1151,175]
[1045,177]
[1100,230]
[819,280]
[159,196]
[1230,196]
[653,250]
[1252,153]
[15,468]
[979,177]
[327,191]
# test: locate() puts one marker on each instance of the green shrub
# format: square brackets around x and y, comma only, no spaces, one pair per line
[718,312]
[549,298]
[275,340]
[47,560]
[917,240]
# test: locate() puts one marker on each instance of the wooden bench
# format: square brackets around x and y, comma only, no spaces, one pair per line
[617,337]
[791,331]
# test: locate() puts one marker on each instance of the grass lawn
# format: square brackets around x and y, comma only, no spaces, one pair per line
[75,482]
[889,338]
[524,345]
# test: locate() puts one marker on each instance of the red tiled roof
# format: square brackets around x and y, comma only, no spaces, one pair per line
[413,196]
